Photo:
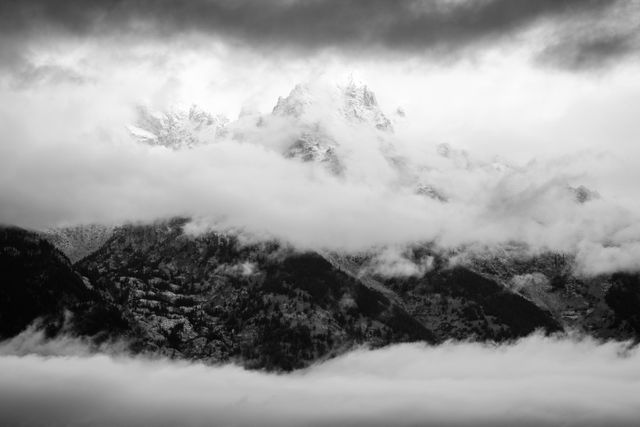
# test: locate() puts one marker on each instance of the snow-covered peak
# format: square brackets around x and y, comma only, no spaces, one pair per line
[360,105]
[296,103]
[354,102]
[326,117]
[317,122]
[177,128]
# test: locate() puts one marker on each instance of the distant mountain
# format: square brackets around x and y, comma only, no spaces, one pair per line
[319,124]
[315,117]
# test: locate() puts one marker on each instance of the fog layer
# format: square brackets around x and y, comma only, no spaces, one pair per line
[535,381]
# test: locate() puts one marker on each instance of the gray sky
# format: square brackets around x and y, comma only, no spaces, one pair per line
[446,27]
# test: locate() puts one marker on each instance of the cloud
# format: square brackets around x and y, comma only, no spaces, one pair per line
[595,42]
[397,262]
[535,381]
[31,75]
[67,158]
[594,258]
[33,341]
[444,27]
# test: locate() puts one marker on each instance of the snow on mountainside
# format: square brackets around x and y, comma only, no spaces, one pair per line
[178,128]
[361,105]
[324,124]
[79,241]
[315,146]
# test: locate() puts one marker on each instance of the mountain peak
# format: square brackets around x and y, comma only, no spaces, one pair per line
[294,104]
[354,101]
[316,112]
[360,104]
[313,107]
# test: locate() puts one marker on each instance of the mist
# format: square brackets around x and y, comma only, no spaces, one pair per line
[535,381]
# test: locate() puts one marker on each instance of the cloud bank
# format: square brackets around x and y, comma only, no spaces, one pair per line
[536,381]
[576,37]
[83,166]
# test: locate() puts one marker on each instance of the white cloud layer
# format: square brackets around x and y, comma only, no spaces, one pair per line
[66,156]
[537,381]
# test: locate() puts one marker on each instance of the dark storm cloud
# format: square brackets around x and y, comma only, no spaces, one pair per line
[401,26]
[590,52]
[30,75]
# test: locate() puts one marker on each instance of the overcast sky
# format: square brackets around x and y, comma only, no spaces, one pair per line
[549,87]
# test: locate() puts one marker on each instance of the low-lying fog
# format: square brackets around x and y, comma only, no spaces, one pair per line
[535,381]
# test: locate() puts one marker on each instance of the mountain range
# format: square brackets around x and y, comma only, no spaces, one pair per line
[263,303]
[218,299]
